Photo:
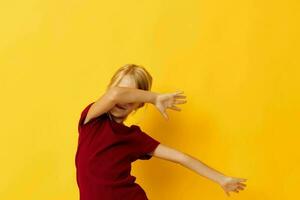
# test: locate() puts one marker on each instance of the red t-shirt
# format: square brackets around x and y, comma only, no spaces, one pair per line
[103,159]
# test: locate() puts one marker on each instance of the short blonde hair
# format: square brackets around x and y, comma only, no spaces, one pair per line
[142,77]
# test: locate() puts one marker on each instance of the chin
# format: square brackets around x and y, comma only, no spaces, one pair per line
[118,114]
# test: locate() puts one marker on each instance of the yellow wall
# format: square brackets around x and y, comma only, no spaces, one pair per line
[237,62]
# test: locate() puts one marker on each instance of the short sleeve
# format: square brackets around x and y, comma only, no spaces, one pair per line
[83,116]
[146,144]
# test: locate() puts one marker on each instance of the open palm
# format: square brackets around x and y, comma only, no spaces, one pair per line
[169,100]
[231,184]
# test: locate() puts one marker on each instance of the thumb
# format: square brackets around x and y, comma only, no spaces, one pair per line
[162,112]
[165,115]
[227,193]
[178,92]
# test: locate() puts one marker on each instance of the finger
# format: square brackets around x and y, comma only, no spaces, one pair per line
[180,101]
[237,180]
[242,184]
[175,108]
[178,92]
[162,112]
[240,187]
[242,179]
[227,193]
[180,96]
[165,115]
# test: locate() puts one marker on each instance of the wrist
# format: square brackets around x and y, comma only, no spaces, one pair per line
[221,179]
[154,96]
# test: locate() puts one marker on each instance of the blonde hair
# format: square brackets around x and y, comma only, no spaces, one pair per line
[142,77]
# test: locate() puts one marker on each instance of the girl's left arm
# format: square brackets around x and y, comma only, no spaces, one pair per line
[227,183]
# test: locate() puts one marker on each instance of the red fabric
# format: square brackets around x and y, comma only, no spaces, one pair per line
[103,159]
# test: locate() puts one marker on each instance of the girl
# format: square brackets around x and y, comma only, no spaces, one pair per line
[107,147]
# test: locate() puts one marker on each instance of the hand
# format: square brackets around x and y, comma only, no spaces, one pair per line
[168,100]
[232,184]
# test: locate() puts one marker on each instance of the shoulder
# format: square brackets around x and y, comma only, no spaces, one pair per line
[94,121]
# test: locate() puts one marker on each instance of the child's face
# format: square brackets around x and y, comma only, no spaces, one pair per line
[121,111]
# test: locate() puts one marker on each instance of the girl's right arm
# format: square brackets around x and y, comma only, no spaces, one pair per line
[161,101]
[101,105]
[122,95]
[125,95]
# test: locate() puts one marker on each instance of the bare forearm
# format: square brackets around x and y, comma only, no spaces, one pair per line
[201,168]
[130,95]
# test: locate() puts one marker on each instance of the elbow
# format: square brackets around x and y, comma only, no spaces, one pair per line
[114,94]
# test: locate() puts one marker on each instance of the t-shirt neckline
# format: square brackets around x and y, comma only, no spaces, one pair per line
[116,125]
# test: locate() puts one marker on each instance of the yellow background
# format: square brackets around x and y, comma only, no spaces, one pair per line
[237,62]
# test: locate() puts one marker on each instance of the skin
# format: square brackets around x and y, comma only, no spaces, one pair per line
[120,101]
[120,114]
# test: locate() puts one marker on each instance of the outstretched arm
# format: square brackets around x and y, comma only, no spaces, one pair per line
[161,101]
[122,95]
[192,163]
[130,95]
